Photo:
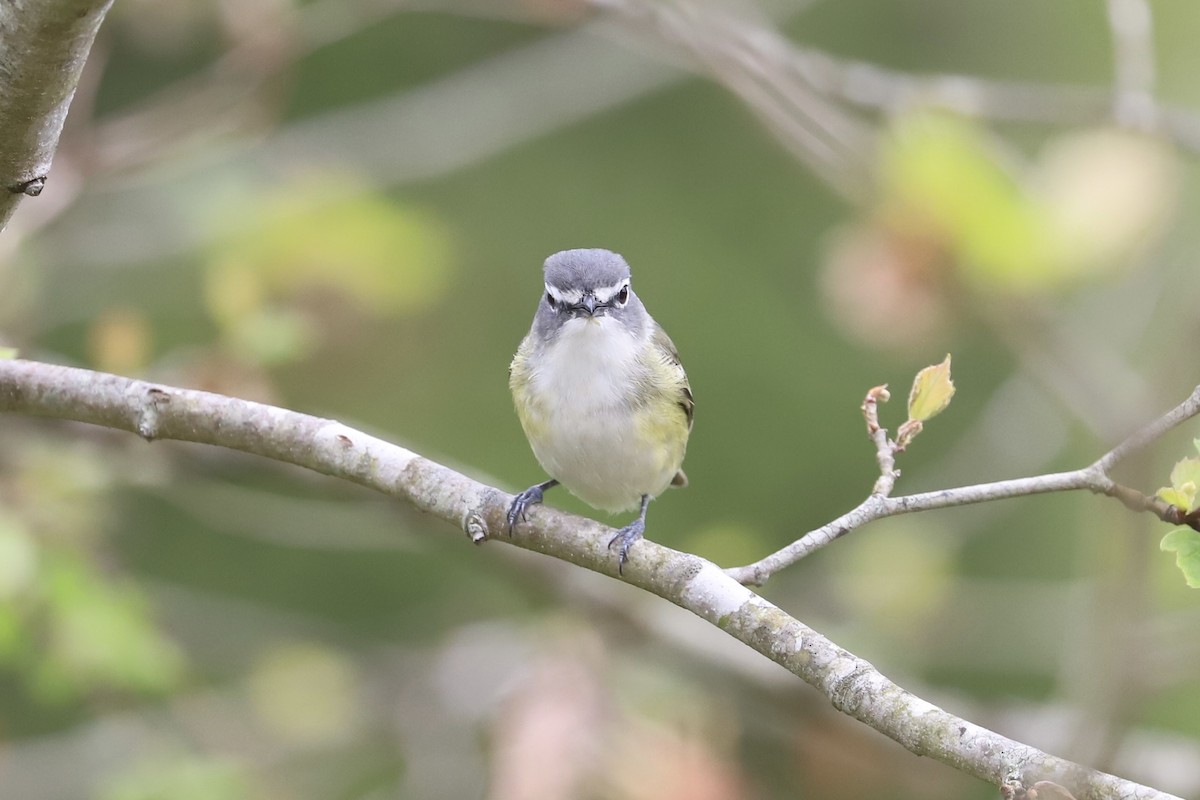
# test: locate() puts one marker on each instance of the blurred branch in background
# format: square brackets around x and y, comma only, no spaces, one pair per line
[796,89]
[754,62]
[1132,24]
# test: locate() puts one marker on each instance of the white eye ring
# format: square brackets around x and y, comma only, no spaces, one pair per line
[623,295]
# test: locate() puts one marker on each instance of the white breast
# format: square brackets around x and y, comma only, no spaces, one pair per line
[586,385]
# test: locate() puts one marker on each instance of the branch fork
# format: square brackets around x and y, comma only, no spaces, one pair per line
[880,504]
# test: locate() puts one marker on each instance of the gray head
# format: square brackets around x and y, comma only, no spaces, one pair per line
[588,284]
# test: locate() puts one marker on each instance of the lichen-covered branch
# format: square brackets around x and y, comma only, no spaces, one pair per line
[853,685]
[43,46]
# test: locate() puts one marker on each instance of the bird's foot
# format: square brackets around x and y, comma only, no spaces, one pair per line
[627,536]
[521,503]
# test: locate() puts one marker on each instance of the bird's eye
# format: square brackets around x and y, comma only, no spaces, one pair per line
[550,299]
[623,295]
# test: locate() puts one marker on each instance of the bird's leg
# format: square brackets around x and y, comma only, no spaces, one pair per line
[628,535]
[530,497]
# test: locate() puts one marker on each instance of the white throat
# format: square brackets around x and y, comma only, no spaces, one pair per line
[589,366]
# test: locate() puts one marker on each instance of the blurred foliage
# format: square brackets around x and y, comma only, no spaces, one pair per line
[66,627]
[181,778]
[304,693]
[1089,203]
[343,207]
[99,636]
[963,221]
[306,250]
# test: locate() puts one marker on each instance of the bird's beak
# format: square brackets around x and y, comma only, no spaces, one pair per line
[588,304]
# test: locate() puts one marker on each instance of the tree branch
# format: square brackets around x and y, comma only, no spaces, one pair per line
[853,685]
[1094,477]
[43,46]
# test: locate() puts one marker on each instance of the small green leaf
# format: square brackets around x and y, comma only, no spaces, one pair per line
[7,353]
[1185,544]
[1179,498]
[1185,478]
[931,392]
[1186,470]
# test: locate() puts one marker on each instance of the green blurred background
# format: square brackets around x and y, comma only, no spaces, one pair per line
[342,207]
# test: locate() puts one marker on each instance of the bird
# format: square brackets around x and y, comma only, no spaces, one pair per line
[600,393]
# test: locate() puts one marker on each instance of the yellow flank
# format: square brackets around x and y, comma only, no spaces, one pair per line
[530,411]
[662,427]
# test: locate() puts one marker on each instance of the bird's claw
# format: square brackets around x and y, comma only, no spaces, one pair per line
[521,503]
[627,536]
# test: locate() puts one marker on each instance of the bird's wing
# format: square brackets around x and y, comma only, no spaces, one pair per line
[685,400]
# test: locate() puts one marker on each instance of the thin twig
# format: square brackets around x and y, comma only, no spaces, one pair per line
[885,448]
[1094,477]
[1155,430]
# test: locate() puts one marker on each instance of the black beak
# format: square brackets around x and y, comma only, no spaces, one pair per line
[588,304]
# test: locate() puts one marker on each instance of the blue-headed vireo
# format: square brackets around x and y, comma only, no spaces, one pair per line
[600,392]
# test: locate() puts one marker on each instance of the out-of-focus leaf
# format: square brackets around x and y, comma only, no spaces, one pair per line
[304,693]
[331,235]
[100,635]
[1105,193]
[1185,544]
[899,580]
[18,558]
[63,489]
[7,353]
[120,341]
[941,174]
[884,287]
[273,336]
[181,778]
[14,638]
[233,290]
[1082,209]
[931,392]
